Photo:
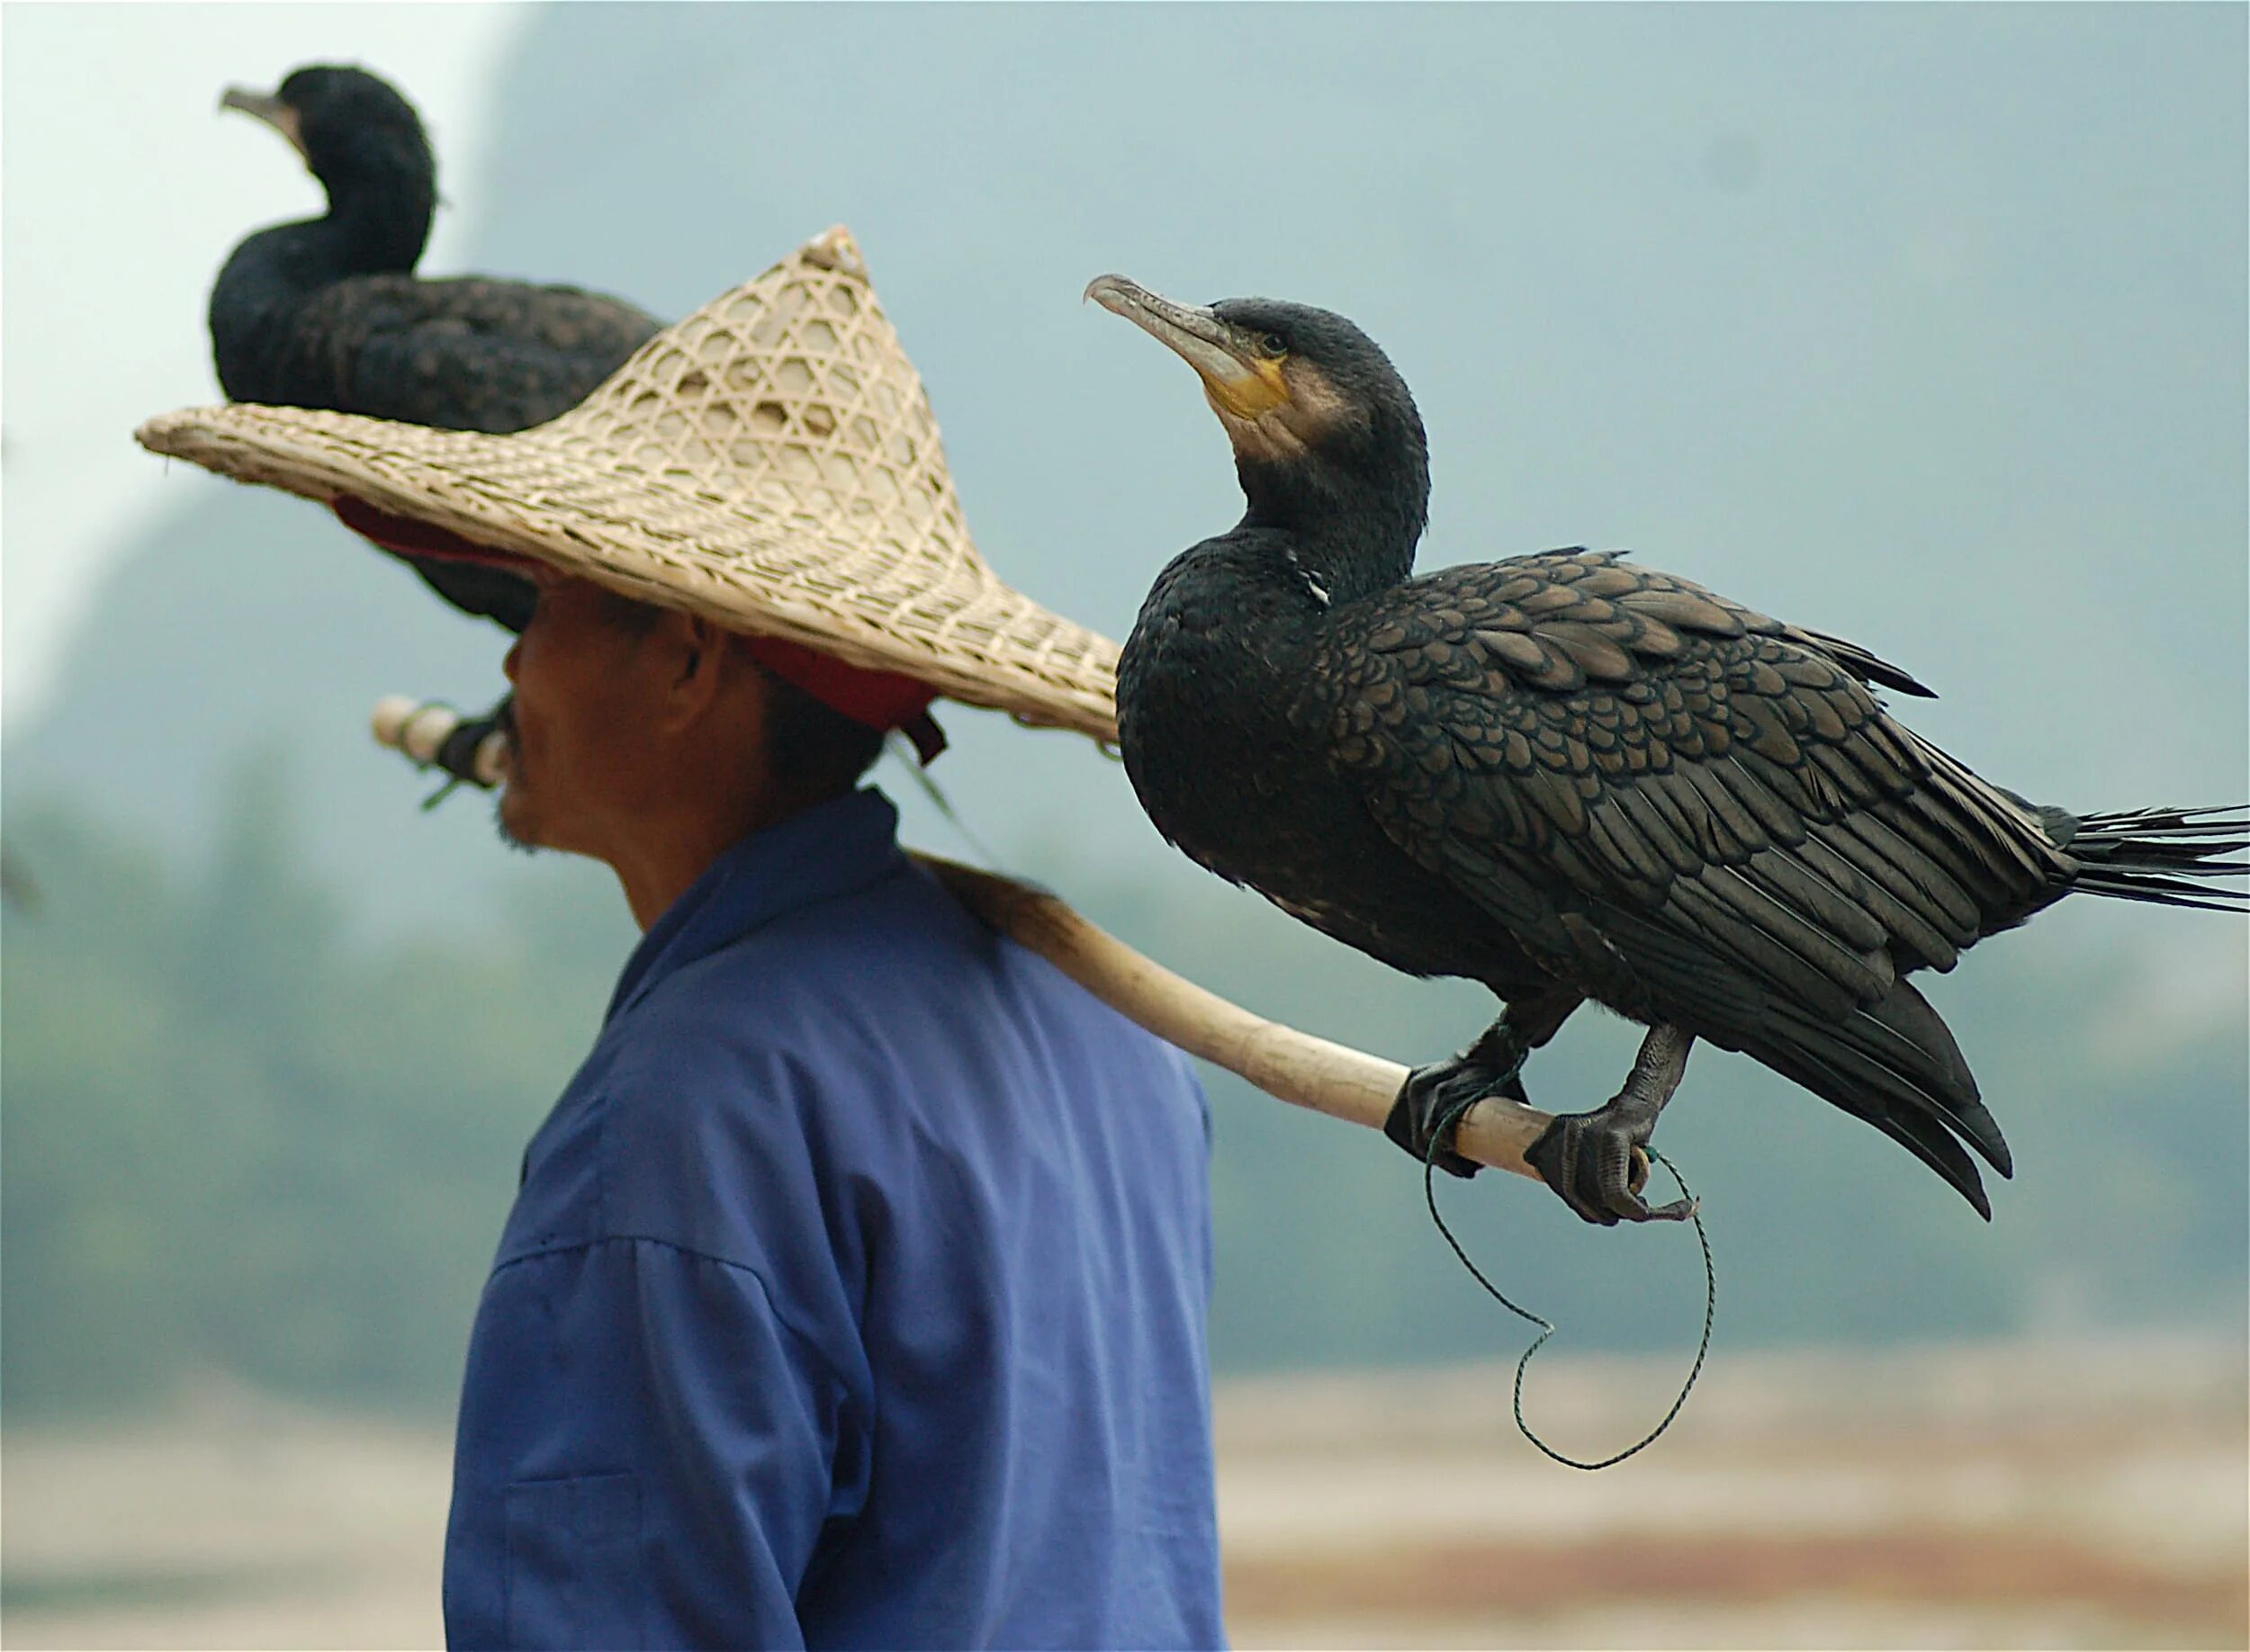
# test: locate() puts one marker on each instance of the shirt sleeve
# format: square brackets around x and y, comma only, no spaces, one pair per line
[693,1439]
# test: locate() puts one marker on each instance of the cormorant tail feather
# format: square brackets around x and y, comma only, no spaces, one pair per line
[2165,856]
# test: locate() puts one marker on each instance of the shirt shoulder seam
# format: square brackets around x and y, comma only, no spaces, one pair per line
[765,1290]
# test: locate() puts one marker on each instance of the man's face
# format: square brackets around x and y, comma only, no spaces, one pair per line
[581,682]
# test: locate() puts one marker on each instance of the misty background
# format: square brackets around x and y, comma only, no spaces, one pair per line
[1921,324]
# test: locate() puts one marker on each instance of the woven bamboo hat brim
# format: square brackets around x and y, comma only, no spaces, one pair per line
[770,463]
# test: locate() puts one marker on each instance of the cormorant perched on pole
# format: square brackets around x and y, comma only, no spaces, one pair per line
[327,312]
[1567,777]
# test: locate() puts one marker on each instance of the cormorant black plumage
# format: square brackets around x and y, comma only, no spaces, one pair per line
[327,312]
[1570,777]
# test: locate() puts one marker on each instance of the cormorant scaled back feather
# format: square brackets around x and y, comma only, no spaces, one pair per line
[327,312]
[1569,777]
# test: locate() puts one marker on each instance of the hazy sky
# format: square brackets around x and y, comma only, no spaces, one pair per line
[122,190]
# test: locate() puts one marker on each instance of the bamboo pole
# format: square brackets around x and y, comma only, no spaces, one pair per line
[1299,1068]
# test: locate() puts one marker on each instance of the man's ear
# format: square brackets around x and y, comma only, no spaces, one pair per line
[696,664]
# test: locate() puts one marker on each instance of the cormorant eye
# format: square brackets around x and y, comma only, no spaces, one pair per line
[1273,344]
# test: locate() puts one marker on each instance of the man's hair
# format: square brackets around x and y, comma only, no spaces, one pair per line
[814,748]
[813,744]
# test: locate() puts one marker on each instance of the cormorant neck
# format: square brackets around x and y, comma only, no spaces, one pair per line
[378,217]
[1355,516]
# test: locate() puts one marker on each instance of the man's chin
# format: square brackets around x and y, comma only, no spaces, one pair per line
[509,818]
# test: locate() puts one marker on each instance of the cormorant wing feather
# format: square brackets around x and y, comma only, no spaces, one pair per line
[1711,816]
[470,354]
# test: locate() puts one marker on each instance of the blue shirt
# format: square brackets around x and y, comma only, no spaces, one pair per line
[854,1296]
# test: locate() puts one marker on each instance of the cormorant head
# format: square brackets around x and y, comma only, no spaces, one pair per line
[1317,414]
[354,130]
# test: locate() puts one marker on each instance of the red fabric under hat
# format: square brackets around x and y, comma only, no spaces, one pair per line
[879,699]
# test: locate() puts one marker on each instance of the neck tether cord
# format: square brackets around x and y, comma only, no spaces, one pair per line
[1547,1327]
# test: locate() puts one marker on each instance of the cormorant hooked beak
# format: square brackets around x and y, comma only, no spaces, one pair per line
[1241,374]
[271,110]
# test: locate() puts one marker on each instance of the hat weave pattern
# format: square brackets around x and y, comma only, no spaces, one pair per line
[770,461]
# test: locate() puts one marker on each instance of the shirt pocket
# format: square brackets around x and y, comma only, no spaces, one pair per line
[574,1574]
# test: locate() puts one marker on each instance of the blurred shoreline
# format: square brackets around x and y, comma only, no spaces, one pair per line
[2049,1492]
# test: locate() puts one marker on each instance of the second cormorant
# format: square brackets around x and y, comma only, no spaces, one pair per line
[1570,778]
[327,312]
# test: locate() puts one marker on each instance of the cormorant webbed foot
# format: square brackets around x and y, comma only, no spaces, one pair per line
[1597,1161]
[1431,1094]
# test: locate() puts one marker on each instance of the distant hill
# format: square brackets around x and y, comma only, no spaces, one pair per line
[247,619]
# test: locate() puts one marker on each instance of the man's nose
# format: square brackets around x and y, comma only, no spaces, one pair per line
[508,665]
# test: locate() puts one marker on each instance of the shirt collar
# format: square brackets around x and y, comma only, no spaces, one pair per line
[827,851]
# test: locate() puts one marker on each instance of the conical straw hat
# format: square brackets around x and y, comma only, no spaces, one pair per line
[770,461]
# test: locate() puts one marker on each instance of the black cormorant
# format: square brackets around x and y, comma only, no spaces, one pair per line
[1570,777]
[327,312]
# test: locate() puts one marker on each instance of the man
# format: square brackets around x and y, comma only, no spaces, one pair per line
[855,1291]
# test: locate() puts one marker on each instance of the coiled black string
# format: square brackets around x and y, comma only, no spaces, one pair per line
[1547,1327]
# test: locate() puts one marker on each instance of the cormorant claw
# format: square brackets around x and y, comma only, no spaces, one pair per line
[1432,1098]
[1598,1162]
